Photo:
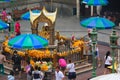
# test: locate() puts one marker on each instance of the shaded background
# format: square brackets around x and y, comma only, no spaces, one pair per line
[114,5]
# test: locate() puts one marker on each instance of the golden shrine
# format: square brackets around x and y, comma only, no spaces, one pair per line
[49,18]
[48,32]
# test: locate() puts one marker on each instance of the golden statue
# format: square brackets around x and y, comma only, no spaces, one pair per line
[44,32]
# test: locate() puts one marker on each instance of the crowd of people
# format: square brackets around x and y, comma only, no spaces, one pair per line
[7,18]
[32,73]
[36,73]
[107,59]
[64,69]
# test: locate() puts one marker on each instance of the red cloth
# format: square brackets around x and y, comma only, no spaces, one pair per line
[17,28]
[73,38]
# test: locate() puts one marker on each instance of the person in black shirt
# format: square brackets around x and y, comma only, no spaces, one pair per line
[16,63]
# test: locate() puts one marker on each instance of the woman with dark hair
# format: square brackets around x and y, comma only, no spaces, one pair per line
[9,21]
[71,70]
[37,75]
[108,61]
[29,70]
[4,15]
[17,28]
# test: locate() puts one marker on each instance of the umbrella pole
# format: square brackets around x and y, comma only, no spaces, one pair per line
[78,8]
[91,10]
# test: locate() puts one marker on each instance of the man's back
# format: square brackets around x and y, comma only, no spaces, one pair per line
[16,59]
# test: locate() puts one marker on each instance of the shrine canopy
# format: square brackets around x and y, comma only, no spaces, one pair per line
[44,13]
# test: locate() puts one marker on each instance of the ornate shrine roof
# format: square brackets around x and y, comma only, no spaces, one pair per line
[50,15]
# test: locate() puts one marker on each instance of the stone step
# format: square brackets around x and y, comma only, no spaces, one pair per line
[84,70]
[83,67]
[7,72]
[7,69]
[80,62]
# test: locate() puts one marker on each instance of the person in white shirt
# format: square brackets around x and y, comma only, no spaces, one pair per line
[9,20]
[37,74]
[59,74]
[108,61]
[11,76]
[71,71]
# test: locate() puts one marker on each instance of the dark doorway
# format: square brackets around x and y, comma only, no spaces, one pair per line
[113,6]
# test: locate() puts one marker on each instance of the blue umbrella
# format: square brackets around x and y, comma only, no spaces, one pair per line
[28,41]
[26,16]
[4,0]
[3,25]
[95,2]
[98,23]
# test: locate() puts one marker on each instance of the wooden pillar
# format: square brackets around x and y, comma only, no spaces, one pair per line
[52,35]
[81,53]
[34,28]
